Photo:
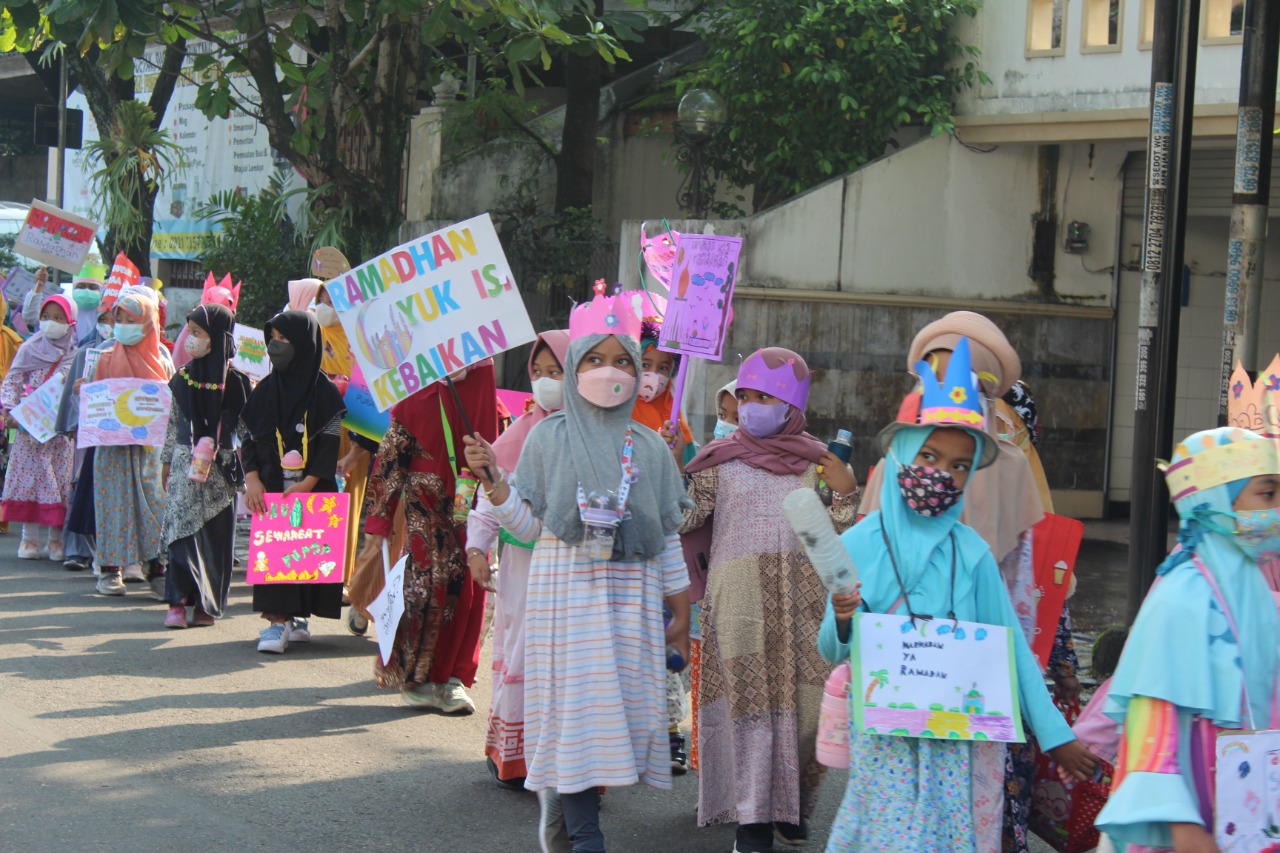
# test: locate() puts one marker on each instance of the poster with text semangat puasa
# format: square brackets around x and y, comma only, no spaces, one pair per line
[301,538]
[429,308]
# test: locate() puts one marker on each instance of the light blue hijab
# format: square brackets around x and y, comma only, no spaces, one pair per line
[1181,649]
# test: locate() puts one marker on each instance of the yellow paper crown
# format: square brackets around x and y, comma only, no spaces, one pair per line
[1197,469]
[1254,405]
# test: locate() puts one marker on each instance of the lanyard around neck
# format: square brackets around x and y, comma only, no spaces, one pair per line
[624,487]
[906,598]
[280,442]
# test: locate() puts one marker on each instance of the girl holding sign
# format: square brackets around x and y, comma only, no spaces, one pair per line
[917,559]
[128,491]
[1202,655]
[202,469]
[10,341]
[294,421]
[602,500]
[37,483]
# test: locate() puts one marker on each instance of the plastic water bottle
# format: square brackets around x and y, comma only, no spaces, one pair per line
[842,447]
[201,460]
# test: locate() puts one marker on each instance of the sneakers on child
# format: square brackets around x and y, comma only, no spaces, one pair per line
[299,630]
[201,619]
[791,834]
[75,564]
[753,838]
[454,698]
[274,638]
[421,695]
[553,835]
[133,573]
[110,583]
[156,582]
[356,623]
[28,550]
[55,552]
[176,617]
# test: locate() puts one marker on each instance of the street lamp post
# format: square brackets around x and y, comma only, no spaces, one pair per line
[700,113]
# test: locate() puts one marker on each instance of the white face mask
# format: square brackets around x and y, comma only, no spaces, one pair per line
[326,314]
[652,384]
[197,347]
[53,330]
[548,393]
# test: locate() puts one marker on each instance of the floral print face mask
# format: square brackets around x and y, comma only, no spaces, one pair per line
[926,490]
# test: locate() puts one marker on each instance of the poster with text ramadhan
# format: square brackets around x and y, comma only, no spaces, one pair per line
[429,308]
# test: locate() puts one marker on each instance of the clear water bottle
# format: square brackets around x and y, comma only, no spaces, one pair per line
[842,447]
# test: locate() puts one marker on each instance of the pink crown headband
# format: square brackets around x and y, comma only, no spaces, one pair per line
[605,315]
[777,381]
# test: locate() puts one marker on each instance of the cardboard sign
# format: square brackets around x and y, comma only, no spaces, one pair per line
[388,607]
[934,678]
[123,274]
[38,411]
[1247,799]
[54,237]
[19,283]
[123,412]
[299,539]
[251,353]
[363,416]
[429,308]
[701,292]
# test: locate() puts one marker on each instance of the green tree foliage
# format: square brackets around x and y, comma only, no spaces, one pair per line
[819,87]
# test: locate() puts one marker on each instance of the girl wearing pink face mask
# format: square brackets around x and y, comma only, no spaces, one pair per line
[601,498]
[761,676]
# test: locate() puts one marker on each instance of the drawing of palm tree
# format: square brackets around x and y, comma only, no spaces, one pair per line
[879,678]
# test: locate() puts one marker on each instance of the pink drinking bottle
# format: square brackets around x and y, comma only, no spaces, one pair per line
[201,460]
[833,719]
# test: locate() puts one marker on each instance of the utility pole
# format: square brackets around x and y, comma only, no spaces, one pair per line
[1251,194]
[1173,75]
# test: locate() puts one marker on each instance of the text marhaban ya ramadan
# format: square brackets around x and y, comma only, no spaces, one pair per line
[417,295]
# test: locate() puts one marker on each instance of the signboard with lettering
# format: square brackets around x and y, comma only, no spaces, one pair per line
[301,538]
[251,353]
[701,291]
[55,237]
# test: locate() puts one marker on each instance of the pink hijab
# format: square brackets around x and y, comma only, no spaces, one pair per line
[508,446]
[302,292]
[790,451]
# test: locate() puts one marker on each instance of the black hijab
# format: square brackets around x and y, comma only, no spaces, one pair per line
[204,403]
[299,393]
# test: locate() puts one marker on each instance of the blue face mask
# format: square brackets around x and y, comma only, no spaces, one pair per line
[105,331]
[129,334]
[724,429]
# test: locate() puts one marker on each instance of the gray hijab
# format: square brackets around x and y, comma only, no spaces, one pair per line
[582,443]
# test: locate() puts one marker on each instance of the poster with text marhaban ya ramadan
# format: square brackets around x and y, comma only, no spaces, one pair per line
[429,308]
[934,678]
[301,538]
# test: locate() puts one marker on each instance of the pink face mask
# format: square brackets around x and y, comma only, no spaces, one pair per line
[606,387]
[652,384]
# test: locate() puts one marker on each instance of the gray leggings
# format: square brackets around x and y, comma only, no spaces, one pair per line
[582,819]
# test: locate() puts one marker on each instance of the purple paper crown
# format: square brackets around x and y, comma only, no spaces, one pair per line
[777,381]
[605,315]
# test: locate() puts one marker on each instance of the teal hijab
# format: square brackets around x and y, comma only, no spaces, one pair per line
[1181,648]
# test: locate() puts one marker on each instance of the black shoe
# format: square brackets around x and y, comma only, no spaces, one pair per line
[509,784]
[679,757]
[790,834]
[75,564]
[753,838]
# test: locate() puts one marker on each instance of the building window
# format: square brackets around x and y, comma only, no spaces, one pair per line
[1103,22]
[1046,20]
[1146,24]
[1223,22]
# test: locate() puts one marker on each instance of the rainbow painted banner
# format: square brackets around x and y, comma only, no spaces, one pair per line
[123,412]
[362,415]
[429,308]
[299,539]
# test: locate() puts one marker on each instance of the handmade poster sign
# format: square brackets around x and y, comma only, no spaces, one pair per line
[934,678]
[701,291]
[363,416]
[123,274]
[251,353]
[18,284]
[388,607]
[53,237]
[1247,799]
[429,308]
[128,412]
[299,539]
[39,410]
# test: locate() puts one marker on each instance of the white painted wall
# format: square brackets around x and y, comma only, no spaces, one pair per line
[1076,81]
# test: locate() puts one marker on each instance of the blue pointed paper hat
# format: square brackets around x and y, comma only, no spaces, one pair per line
[955,402]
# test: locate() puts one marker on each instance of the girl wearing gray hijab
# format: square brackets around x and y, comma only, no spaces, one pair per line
[603,499]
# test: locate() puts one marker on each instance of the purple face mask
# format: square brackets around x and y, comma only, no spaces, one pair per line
[761,419]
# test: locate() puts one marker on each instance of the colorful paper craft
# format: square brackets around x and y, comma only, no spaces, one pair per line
[299,539]
[123,412]
[38,411]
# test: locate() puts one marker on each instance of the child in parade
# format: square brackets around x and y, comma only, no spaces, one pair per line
[726,410]
[915,557]
[760,683]
[127,487]
[1202,655]
[504,737]
[199,517]
[293,418]
[10,341]
[653,405]
[37,484]
[437,647]
[602,499]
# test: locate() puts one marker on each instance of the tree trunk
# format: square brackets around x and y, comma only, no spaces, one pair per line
[576,162]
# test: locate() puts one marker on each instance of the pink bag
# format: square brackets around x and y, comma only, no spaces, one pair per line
[833,719]
[1096,730]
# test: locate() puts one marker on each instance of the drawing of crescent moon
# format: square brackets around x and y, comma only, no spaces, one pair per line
[126,414]
[311,503]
